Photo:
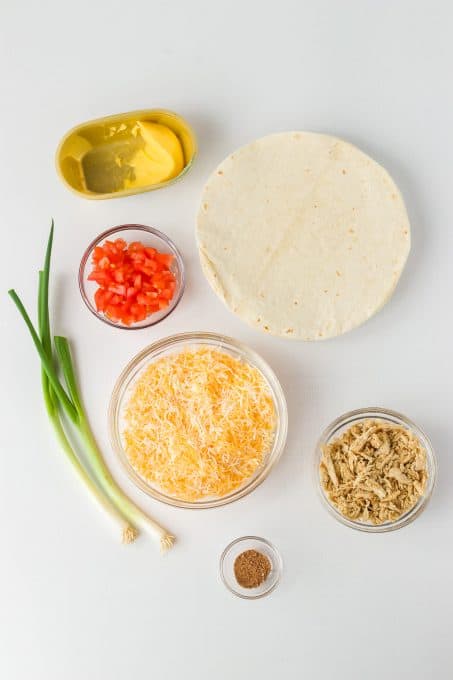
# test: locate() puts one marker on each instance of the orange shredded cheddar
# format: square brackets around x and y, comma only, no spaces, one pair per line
[198,423]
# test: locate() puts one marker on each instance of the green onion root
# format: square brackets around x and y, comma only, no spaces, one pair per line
[128,507]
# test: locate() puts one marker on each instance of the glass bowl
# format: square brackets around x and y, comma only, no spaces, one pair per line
[152,238]
[237,547]
[345,421]
[175,344]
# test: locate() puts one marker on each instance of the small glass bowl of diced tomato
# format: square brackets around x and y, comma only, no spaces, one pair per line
[131,276]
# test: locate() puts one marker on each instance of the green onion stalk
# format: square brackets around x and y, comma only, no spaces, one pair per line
[66,405]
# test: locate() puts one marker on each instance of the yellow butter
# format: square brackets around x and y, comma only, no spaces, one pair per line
[160,159]
[126,153]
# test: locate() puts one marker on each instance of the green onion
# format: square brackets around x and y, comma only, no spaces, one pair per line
[67,415]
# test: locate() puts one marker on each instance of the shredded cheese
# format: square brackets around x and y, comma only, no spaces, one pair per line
[198,423]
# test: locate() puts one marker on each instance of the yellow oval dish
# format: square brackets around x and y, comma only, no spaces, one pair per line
[126,154]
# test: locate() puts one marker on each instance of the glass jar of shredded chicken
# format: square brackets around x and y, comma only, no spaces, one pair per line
[375,469]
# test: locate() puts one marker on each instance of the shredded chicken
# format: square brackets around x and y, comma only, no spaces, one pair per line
[374,472]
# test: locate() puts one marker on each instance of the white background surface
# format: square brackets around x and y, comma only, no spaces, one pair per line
[74,603]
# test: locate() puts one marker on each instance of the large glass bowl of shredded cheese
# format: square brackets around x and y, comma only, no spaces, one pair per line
[198,420]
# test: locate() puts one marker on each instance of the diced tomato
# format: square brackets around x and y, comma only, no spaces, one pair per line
[101,277]
[138,311]
[159,282]
[113,312]
[151,264]
[136,247]
[143,299]
[166,294]
[98,253]
[127,319]
[118,288]
[99,299]
[120,244]
[136,256]
[134,280]
[104,262]
[164,258]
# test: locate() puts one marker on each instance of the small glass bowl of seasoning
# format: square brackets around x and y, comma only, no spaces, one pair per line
[131,276]
[375,469]
[250,567]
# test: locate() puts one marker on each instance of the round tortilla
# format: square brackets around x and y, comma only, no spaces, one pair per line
[302,235]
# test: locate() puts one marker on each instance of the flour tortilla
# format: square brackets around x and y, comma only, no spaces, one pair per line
[302,235]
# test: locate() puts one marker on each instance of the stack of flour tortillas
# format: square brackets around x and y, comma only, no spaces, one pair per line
[302,235]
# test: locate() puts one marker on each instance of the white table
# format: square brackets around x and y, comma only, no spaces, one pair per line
[74,603]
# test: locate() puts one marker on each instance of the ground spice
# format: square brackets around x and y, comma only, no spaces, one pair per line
[251,568]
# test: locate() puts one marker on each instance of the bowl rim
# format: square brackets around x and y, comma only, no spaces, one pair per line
[132,227]
[377,412]
[176,341]
[278,567]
